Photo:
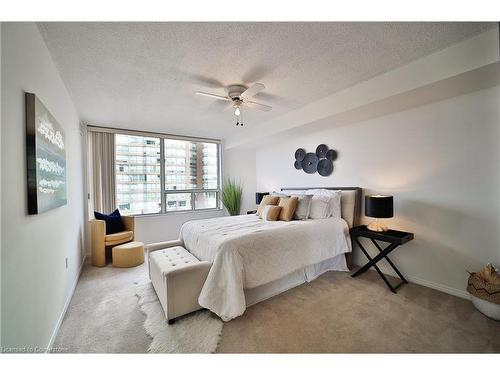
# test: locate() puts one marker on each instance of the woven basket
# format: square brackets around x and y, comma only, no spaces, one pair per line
[481,289]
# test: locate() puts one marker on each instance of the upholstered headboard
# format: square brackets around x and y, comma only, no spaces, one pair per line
[350,202]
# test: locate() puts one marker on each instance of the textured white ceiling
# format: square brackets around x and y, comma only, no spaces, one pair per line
[143,75]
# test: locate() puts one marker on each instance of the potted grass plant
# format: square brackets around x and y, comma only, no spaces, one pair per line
[231,193]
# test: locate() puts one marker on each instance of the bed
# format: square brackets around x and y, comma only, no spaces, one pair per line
[253,259]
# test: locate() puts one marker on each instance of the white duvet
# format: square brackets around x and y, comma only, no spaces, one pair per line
[247,252]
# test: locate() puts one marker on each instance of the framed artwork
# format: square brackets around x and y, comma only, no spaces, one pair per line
[46,158]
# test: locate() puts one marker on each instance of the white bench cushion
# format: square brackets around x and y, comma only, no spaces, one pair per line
[173,258]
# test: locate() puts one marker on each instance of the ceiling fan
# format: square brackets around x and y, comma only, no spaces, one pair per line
[239,95]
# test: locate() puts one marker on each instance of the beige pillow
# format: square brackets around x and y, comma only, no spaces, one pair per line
[270,213]
[288,206]
[266,201]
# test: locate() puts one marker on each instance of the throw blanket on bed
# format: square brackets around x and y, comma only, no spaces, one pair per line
[247,252]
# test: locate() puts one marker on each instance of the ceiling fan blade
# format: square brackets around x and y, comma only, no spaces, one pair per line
[252,90]
[220,97]
[262,107]
[206,81]
[228,107]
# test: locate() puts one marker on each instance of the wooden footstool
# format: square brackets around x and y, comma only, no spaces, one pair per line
[129,254]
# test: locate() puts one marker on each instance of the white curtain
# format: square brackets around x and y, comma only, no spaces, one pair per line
[102,157]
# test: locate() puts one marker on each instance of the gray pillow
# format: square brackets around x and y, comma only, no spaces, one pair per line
[303,206]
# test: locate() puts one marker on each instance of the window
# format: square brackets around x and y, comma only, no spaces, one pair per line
[138,184]
[191,175]
[189,171]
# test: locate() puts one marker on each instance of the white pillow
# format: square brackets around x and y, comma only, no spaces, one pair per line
[294,192]
[320,207]
[335,205]
[278,194]
[334,196]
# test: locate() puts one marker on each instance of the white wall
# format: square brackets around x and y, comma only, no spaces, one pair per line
[35,283]
[441,162]
[239,164]
[158,228]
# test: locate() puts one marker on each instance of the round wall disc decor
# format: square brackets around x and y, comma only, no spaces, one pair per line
[331,155]
[325,167]
[300,154]
[321,161]
[310,163]
[321,151]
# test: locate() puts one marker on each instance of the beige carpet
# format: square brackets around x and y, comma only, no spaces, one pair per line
[340,314]
[333,314]
[104,316]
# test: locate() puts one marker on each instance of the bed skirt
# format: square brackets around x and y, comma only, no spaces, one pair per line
[306,274]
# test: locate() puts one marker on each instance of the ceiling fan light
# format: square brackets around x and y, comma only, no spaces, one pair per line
[237,111]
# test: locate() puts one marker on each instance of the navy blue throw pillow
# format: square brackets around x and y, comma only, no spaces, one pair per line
[114,223]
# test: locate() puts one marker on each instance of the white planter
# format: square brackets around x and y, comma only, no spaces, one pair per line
[490,309]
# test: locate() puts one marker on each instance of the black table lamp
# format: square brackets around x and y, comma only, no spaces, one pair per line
[259,196]
[379,206]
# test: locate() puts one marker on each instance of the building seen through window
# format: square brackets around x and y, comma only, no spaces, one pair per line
[191,174]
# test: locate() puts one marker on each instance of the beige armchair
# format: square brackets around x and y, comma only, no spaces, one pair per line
[100,240]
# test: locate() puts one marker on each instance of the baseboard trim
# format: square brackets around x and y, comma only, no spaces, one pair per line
[430,284]
[65,308]
[442,288]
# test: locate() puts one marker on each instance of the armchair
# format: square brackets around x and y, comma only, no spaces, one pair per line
[100,240]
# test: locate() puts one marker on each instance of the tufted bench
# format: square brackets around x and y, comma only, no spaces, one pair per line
[177,277]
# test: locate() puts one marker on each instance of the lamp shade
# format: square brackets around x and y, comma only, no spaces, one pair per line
[379,206]
[259,196]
